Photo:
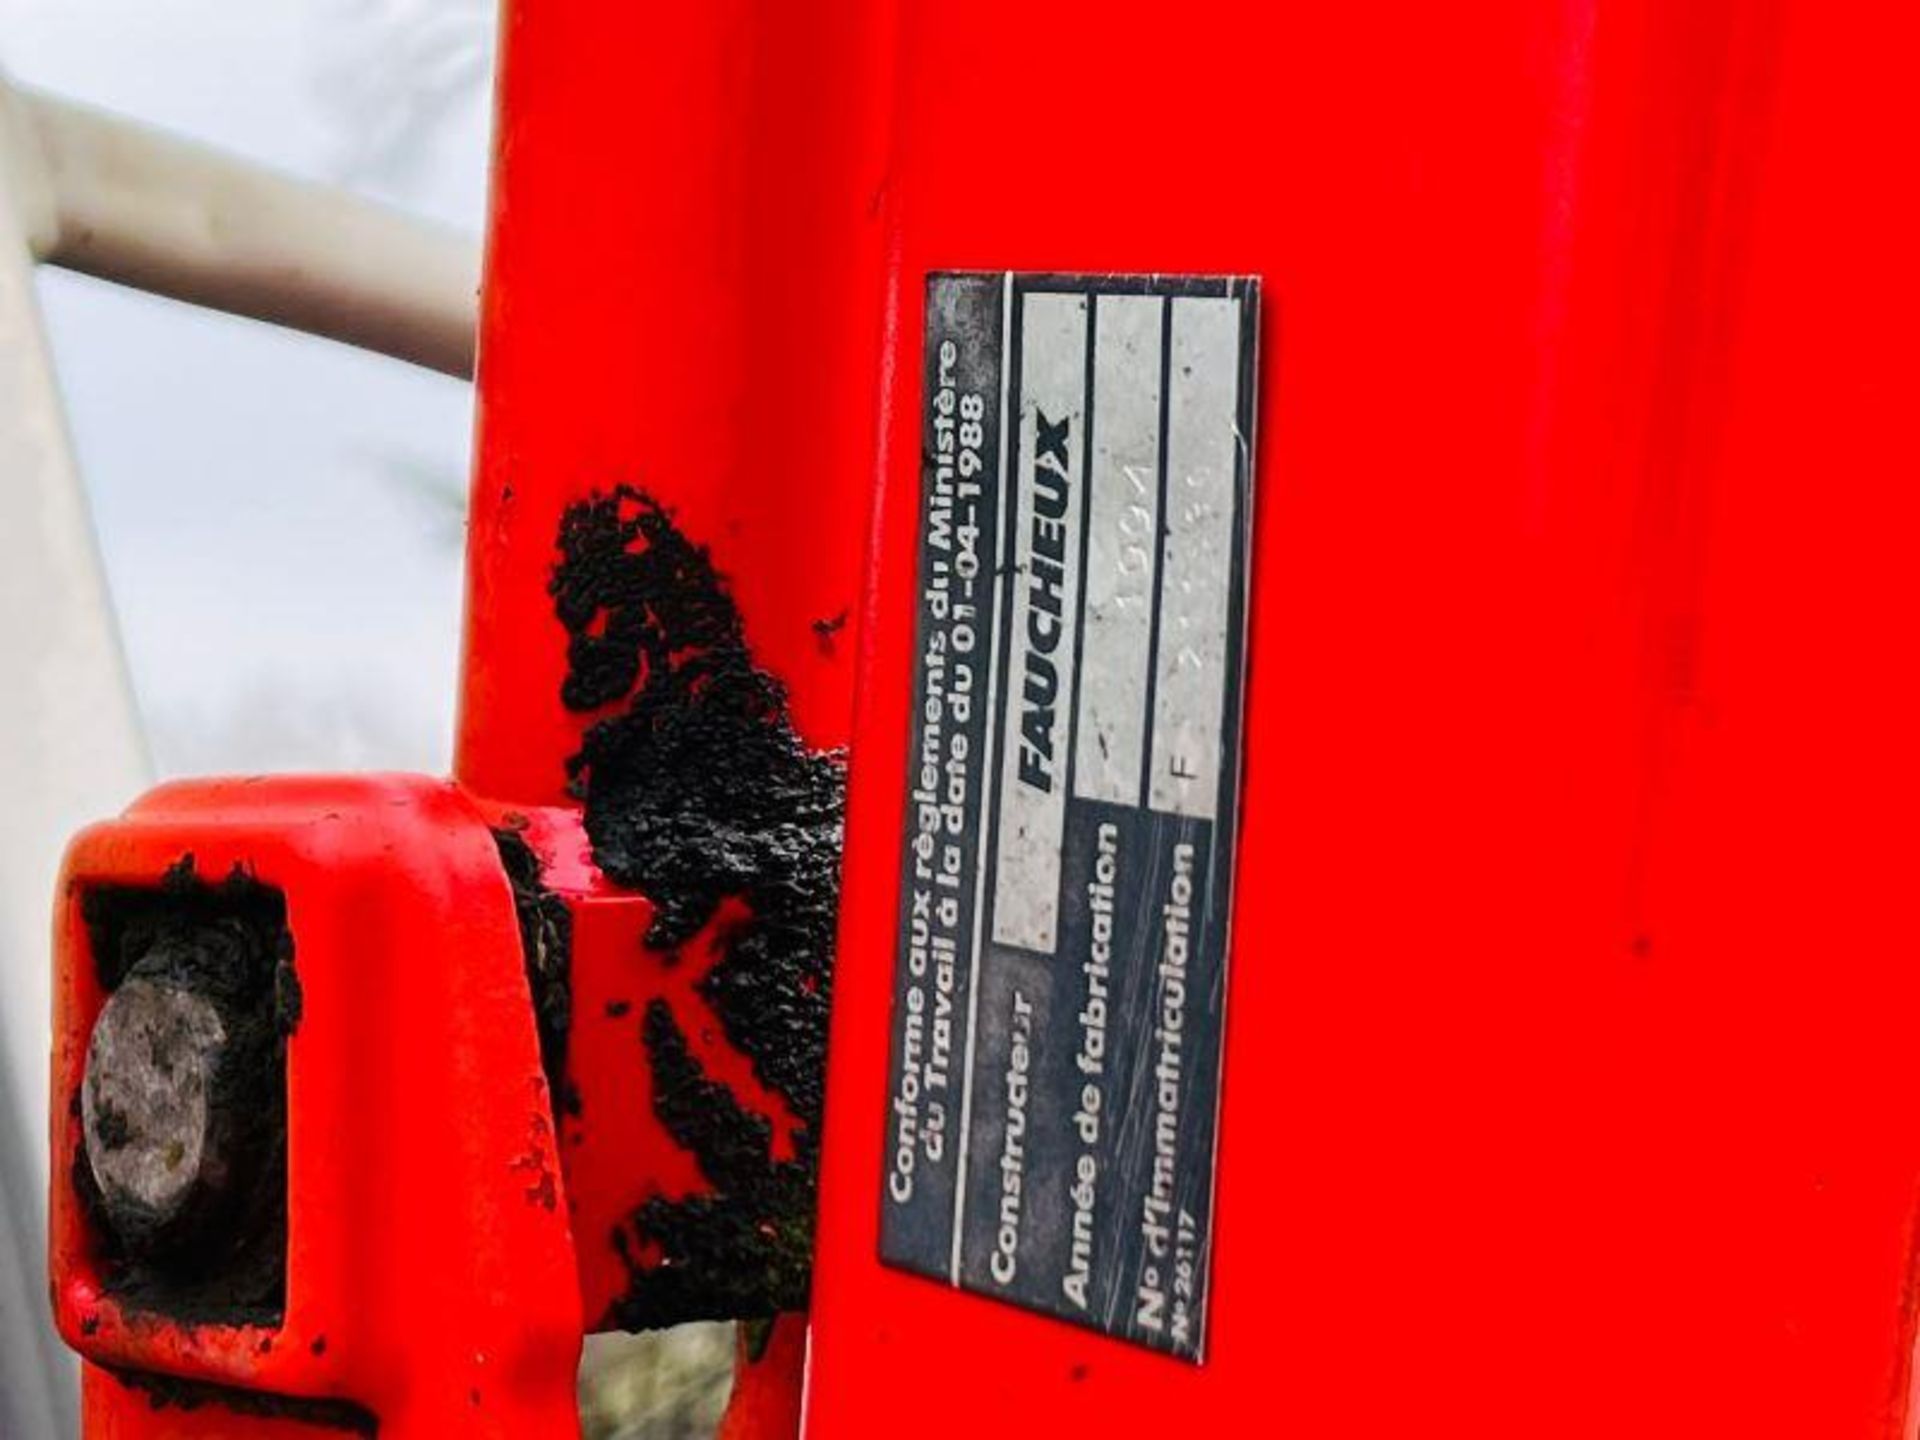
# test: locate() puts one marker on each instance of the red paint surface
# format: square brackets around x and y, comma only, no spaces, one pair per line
[615,1152]
[429,1279]
[1576,954]
[765,1403]
[1577,946]
[113,1412]
[682,295]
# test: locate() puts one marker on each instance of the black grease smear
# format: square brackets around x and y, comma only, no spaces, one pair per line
[546,940]
[171,1392]
[699,792]
[755,1337]
[743,1251]
[826,629]
[225,1263]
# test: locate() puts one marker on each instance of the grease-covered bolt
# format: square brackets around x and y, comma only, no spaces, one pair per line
[166,1116]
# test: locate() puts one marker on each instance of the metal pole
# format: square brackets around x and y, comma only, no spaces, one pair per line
[130,204]
[71,748]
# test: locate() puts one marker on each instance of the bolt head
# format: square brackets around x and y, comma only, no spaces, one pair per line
[153,1140]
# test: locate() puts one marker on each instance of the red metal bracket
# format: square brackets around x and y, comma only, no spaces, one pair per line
[427,1271]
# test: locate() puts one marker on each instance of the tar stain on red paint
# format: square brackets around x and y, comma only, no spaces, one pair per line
[170,1392]
[697,791]
[546,944]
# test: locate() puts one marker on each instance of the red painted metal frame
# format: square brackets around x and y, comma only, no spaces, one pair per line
[429,1269]
[1577,957]
[680,296]
[1575,961]
[683,245]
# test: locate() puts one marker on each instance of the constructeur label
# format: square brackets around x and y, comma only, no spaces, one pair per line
[1067,852]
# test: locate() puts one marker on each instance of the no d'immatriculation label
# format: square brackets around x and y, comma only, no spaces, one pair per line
[1073,784]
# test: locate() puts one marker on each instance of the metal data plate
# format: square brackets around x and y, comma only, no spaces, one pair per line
[1073,784]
